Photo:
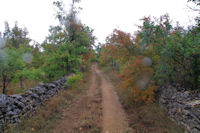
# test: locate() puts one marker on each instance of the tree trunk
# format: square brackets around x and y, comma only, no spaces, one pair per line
[196,71]
[4,84]
[21,82]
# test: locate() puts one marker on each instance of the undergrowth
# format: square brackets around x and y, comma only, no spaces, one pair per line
[143,118]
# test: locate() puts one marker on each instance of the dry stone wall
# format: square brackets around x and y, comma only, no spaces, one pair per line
[183,106]
[14,107]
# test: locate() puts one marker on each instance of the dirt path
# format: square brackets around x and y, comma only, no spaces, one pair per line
[85,114]
[114,118]
[90,114]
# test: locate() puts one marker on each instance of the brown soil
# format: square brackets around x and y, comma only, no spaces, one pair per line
[93,113]
[85,114]
[114,118]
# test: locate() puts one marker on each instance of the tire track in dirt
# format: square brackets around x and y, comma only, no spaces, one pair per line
[99,110]
[114,117]
[85,114]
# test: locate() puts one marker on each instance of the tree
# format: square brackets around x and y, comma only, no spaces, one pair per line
[197,2]
[16,36]
[68,47]
[13,61]
[9,63]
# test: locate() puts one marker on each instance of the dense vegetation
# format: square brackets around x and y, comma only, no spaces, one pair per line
[67,49]
[158,54]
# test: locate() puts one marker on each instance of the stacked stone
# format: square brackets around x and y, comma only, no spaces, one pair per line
[183,106]
[14,107]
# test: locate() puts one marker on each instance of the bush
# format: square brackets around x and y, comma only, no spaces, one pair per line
[137,78]
[73,79]
[174,51]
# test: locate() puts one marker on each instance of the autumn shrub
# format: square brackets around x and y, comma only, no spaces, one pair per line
[173,53]
[138,78]
[105,58]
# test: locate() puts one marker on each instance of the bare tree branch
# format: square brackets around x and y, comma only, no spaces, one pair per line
[194,9]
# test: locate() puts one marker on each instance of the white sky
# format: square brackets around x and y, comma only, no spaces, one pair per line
[101,15]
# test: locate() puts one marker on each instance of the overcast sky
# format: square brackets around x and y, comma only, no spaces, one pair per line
[101,15]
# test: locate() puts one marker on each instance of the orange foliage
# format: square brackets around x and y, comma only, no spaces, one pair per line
[138,77]
[88,56]
[105,57]
[119,47]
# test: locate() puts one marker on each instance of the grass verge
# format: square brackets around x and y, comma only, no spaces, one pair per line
[91,120]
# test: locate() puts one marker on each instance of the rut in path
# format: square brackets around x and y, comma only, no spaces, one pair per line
[85,113]
[89,108]
[114,118]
